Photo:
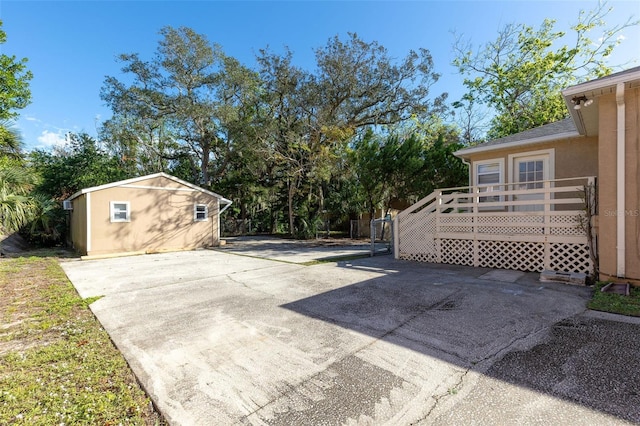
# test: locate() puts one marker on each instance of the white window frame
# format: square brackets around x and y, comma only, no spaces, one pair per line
[547,155]
[113,211]
[489,187]
[195,213]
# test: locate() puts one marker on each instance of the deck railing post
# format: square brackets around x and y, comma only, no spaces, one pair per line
[436,235]
[474,219]
[547,224]
[396,238]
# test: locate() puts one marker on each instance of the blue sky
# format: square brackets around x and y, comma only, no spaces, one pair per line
[72,45]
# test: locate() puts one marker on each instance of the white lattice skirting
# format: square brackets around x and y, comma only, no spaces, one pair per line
[516,228]
[518,255]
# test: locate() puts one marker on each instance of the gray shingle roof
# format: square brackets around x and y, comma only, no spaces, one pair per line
[563,126]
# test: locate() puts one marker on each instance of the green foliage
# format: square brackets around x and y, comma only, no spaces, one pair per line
[64,368]
[10,142]
[520,74]
[358,84]
[48,225]
[311,117]
[270,139]
[189,106]
[16,205]
[14,81]
[616,303]
[404,169]
[81,163]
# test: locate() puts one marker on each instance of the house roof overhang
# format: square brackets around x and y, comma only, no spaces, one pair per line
[586,118]
[132,181]
[465,153]
[564,129]
[582,121]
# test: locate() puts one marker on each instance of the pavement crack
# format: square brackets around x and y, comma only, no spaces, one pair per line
[419,312]
[243,284]
[508,347]
[451,391]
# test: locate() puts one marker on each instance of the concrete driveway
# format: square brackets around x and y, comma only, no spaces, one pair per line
[217,338]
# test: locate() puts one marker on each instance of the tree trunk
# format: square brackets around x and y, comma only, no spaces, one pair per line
[292,189]
[204,164]
[243,218]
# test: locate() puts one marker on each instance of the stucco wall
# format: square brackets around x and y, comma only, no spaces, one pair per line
[78,222]
[162,218]
[608,212]
[574,157]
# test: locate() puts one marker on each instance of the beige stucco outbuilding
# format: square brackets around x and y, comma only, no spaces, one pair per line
[147,214]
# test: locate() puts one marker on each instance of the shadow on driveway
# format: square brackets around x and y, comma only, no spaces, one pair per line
[448,313]
[217,338]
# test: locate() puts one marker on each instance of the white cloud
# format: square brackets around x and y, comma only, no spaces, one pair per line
[619,39]
[51,139]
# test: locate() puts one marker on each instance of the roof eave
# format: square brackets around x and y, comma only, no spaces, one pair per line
[464,153]
[222,199]
[114,184]
[593,88]
[600,84]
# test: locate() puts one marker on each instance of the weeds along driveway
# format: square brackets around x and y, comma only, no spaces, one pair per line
[217,338]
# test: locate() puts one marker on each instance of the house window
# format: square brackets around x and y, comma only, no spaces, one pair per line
[200,213]
[489,176]
[531,173]
[120,211]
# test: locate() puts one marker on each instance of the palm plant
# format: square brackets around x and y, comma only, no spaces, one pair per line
[47,223]
[16,206]
[10,141]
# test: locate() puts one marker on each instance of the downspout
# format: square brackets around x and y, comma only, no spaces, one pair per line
[228,204]
[468,163]
[620,184]
[225,207]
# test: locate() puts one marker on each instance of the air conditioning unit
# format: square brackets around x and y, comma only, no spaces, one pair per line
[67,205]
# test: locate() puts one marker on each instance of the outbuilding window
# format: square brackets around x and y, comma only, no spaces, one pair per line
[120,211]
[200,213]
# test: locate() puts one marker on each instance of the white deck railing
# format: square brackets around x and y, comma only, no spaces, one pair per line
[532,227]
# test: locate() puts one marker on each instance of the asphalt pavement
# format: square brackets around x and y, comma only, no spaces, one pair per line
[218,337]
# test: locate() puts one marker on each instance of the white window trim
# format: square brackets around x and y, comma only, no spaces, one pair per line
[547,155]
[195,213]
[112,211]
[544,154]
[88,213]
[500,162]
[500,183]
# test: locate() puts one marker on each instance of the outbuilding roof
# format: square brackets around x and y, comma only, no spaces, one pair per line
[151,176]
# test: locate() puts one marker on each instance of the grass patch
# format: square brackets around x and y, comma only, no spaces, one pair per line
[616,303]
[57,364]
